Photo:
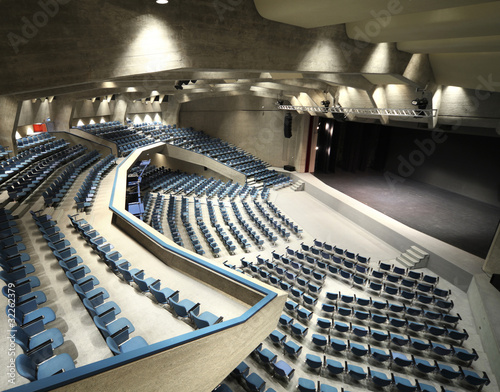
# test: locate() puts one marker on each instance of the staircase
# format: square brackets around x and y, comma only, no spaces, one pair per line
[298,186]
[414,258]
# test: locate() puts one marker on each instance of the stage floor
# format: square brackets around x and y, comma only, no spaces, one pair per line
[460,221]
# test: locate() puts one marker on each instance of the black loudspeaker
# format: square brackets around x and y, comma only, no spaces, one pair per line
[289,167]
[288,125]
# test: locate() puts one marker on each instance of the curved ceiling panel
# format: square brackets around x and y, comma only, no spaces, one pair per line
[319,13]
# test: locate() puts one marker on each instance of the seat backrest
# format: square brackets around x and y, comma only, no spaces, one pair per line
[26,367]
[112,345]
[21,337]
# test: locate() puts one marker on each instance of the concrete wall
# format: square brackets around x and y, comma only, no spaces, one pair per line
[75,136]
[252,124]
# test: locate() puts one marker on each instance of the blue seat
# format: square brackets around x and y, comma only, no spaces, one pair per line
[29,312]
[424,365]
[255,383]
[27,368]
[320,341]
[420,345]
[379,336]
[357,349]
[338,344]
[324,323]
[441,349]
[184,307]
[472,378]
[291,348]
[401,359]
[379,318]
[285,320]
[283,370]
[277,337]
[298,330]
[448,371]
[379,354]
[306,385]
[27,342]
[129,344]
[327,388]
[359,330]
[328,308]
[304,314]
[403,384]
[109,326]
[334,367]
[425,387]
[379,379]
[241,371]
[400,340]
[341,327]
[205,319]
[465,355]
[163,295]
[357,373]
[314,362]
[265,355]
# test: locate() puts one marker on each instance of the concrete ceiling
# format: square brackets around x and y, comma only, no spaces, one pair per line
[461,34]
[352,50]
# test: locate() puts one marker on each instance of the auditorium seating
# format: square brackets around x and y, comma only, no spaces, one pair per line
[38,359]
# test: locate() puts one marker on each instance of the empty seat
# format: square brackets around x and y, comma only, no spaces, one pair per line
[27,368]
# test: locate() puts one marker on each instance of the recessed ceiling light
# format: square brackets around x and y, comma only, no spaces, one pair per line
[161,1]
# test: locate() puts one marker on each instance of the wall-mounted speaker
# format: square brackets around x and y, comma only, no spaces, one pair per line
[288,125]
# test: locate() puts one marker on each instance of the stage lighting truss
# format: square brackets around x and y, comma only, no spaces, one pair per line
[420,113]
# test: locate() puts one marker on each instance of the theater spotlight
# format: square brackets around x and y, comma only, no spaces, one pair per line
[421,103]
[178,86]
[326,104]
[193,81]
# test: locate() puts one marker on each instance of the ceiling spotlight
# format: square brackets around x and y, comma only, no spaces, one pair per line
[161,1]
[193,81]
[178,87]
[326,103]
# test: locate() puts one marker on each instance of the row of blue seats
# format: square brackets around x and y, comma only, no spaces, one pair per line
[294,227]
[172,221]
[327,251]
[4,152]
[383,320]
[185,309]
[60,186]
[274,223]
[334,253]
[38,360]
[32,178]
[402,310]
[14,165]
[85,196]
[226,239]
[403,360]
[115,331]
[189,228]
[212,243]
[251,231]
[33,140]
